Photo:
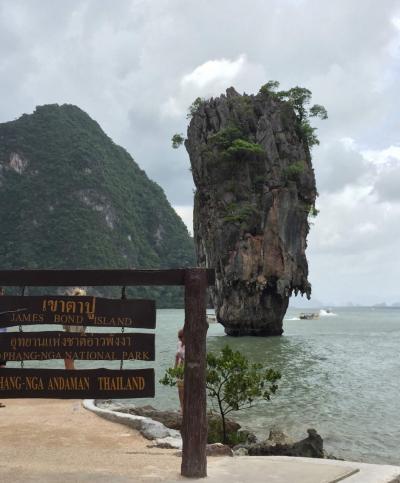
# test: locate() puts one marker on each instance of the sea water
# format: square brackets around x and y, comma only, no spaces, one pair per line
[340,375]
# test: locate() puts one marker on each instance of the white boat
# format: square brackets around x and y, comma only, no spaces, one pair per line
[309,315]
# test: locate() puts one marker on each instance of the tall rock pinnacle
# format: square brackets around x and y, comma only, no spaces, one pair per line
[255,188]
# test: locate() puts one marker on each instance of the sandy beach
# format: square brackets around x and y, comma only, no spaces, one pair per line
[51,440]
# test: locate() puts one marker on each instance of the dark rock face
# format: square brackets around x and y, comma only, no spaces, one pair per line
[218,449]
[170,419]
[255,188]
[310,447]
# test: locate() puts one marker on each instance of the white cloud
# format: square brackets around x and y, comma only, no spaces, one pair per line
[221,71]
[338,164]
[186,213]
[171,108]
[212,78]
[353,244]
[387,187]
[386,163]
[388,157]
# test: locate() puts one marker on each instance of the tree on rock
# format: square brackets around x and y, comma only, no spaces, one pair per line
[177,140]
[298,98]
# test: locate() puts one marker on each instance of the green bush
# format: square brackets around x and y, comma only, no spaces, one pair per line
[224,138]
[194,107]
[177,140]
[307,132]
[313,212]
[241,148]
[298,98]
[293,171]
[216,435]
[230,144]
[233,383]
[239,213]
[269,88]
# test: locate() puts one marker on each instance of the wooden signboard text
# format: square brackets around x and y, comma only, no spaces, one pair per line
[90,311]
[65,384]
[38,346]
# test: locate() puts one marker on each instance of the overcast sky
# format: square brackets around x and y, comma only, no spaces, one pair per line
[136,65]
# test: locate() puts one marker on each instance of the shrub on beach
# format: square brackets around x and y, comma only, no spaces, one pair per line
[233,383]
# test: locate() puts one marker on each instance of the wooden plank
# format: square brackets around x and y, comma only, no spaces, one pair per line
[76,384]
[92,278]
[194,424]
[39,346]
[77,311]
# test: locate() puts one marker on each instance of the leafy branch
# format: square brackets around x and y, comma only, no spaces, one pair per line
[232,382]
[298,98]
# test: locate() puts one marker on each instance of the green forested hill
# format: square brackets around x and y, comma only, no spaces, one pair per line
[71,198]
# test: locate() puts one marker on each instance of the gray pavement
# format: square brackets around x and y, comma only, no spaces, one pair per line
[284,469]
[240,469]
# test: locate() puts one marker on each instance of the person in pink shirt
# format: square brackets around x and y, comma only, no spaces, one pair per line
[180,361]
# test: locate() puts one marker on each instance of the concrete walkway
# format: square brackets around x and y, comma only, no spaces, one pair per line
[284,469]
[56,441]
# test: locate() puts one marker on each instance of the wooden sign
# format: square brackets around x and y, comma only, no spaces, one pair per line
[113,384]
[39,346]
[90,311]
[76,384]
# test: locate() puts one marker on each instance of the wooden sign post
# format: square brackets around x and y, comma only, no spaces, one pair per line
[105,383]
[194,423]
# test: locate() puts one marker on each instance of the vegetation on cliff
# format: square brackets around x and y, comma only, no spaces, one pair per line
[255,191]
[298,98]
[234,142]
[71,198]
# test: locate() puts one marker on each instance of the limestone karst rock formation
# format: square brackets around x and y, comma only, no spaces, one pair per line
[72,198]
[255,188]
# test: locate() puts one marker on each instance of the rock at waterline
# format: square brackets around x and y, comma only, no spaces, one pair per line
[218,449]
[277,444]
[170,419]
[280,445]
